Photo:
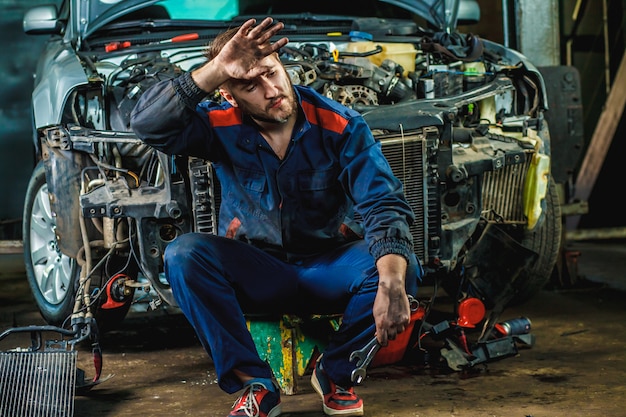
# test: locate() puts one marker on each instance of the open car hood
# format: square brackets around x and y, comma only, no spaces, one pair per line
[442,14]
[101,12]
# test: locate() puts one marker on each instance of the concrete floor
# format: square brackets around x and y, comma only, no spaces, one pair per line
[575,368]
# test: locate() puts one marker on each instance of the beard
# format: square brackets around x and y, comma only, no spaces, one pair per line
[278,115]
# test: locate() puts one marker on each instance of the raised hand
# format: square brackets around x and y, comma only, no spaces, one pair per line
[241,56]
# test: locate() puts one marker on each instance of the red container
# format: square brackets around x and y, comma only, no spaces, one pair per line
[395,349]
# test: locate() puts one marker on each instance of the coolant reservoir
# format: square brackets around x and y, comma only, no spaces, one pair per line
[401,53]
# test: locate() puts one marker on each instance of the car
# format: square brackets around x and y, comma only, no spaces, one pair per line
[462,121]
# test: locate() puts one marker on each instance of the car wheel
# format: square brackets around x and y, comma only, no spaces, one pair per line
[546,241]
[53,276]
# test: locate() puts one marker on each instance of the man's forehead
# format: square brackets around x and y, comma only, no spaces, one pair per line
[268,67]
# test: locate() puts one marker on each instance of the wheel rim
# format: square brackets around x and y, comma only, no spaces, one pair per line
[52,270]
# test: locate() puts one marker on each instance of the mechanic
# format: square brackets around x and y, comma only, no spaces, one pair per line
[292,165]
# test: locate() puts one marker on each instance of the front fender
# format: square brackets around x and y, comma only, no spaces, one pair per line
[62,73]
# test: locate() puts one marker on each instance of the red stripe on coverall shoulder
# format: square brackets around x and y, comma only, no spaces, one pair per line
[227,117]
[327,119]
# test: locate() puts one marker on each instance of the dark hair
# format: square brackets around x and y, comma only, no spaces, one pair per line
[214,48]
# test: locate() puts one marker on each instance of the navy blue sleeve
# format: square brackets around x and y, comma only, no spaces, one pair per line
[378,194]
[167,118]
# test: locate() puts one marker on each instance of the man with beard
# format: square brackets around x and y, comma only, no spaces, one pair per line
[293,166]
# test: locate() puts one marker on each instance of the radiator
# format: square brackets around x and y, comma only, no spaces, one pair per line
[37,384]
[406,157]
[503,192]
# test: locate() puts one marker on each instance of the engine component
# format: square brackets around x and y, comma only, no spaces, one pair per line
[348,95]
[512,327]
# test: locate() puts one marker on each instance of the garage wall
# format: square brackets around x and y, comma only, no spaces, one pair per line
[18,57]
[598,59]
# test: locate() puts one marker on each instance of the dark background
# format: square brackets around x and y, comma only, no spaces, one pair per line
[18,56]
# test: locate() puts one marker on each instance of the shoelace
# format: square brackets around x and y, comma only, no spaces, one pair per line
[251,405]
[342,391]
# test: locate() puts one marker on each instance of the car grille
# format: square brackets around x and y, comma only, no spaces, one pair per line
[205,194]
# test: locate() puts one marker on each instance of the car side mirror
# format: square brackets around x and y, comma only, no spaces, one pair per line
[42,20]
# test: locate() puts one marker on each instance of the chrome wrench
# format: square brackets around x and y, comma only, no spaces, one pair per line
[363,356]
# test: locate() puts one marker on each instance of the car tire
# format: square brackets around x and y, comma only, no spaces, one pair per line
[546,241]
[53,277]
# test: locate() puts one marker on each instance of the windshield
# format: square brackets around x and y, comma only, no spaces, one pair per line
[205,10]
[102,12]
[223,13]
[227,9]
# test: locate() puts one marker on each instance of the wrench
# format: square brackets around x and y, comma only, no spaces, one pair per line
[363,356]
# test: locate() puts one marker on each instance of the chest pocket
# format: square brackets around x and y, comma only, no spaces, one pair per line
[322,198]
[316,180]
[251,180]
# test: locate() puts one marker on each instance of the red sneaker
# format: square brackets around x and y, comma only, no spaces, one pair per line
[338,401]
[257,401]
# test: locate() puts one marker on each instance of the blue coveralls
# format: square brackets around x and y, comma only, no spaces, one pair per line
[288,242]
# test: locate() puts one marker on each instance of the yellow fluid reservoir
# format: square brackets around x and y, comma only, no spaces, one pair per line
[401,53]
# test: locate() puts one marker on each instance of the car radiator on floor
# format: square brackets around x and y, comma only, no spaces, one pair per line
[37,384]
